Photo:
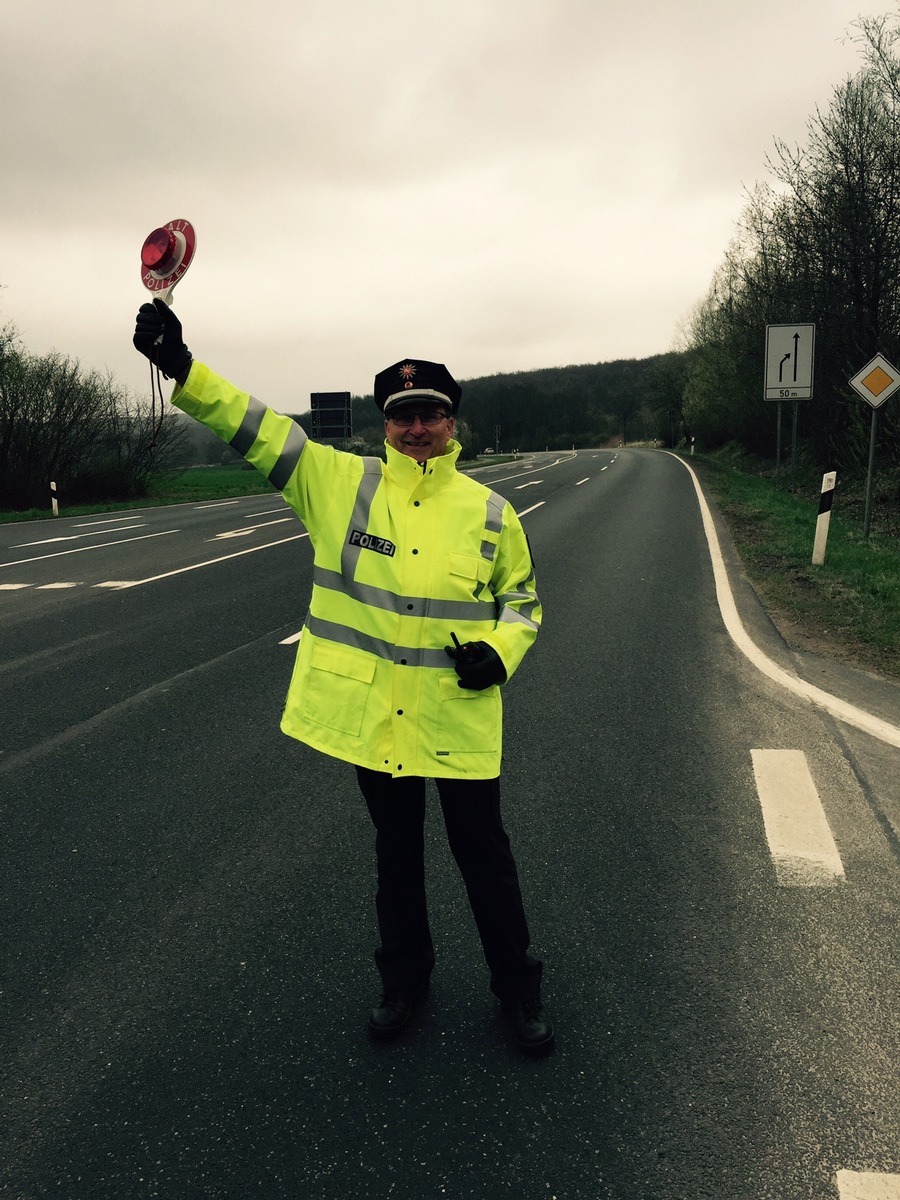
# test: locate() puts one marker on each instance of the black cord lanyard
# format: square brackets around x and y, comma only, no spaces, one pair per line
[155,392]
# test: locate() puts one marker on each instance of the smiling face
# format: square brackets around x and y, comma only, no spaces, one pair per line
[421,431]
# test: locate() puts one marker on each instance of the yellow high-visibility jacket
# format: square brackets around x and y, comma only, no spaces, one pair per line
[404,555]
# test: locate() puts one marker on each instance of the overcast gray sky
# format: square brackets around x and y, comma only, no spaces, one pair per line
[494,184]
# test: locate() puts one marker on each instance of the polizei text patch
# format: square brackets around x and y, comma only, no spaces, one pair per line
[368,541]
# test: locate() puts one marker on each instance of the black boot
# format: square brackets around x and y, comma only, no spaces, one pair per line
[531,1025]
[392,1014]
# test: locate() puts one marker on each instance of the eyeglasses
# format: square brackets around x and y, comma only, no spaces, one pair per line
[429,420]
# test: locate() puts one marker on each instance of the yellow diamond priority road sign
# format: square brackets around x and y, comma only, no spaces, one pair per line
[876,381]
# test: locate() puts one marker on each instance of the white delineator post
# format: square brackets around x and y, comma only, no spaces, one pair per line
[824,519]
[53,500]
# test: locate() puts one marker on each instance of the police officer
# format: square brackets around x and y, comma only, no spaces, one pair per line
[423,605]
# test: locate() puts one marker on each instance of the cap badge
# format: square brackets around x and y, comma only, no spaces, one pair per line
[406,374]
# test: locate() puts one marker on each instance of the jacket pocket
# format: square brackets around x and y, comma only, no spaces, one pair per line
[338,687]
[469,571]
[470,721]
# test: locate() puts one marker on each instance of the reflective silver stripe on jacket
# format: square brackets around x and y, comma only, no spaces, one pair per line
[406,656]
[287,460]
[495,506]
[405,606]
[359,518]
[513,616]
[493,523]
[250,426]
[289,457]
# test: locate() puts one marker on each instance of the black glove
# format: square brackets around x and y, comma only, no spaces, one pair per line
[477,664]
[157,334]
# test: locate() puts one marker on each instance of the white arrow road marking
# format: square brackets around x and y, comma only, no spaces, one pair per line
[797,830]
[867,1185]
[13,587]
[49,587]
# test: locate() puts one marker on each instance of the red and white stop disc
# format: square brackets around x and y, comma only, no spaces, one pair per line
[166,254]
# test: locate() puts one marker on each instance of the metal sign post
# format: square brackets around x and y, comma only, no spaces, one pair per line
[790,354]
[875,383]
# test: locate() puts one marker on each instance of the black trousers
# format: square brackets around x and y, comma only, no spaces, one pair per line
[480,845]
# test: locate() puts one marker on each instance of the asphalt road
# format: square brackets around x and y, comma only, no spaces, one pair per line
[187,894]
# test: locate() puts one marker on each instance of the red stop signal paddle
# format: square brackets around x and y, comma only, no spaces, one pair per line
[166,254]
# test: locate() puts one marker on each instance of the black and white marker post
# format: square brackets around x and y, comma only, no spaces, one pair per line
[54,499]
[824,518]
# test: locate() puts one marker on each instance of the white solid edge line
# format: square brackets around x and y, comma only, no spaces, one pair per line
[867,1185]
[849,713]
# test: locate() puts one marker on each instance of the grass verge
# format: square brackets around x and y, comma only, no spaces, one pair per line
[848,608]
[199,483]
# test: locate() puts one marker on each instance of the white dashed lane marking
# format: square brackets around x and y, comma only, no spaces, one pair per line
[73,537]
[800,841]
[867,1185]
[18,562]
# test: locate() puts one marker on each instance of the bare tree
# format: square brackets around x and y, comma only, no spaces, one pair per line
[821,244]
[79,428]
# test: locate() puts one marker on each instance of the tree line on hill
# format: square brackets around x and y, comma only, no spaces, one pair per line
[820,244]
[551,408]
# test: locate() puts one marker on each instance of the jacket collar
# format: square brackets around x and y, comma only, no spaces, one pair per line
[407,473]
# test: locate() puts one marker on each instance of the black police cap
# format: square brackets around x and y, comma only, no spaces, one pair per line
[415,381]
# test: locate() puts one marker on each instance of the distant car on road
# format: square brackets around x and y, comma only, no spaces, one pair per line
[489,450]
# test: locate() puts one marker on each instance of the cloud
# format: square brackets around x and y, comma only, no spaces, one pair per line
[499,185]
